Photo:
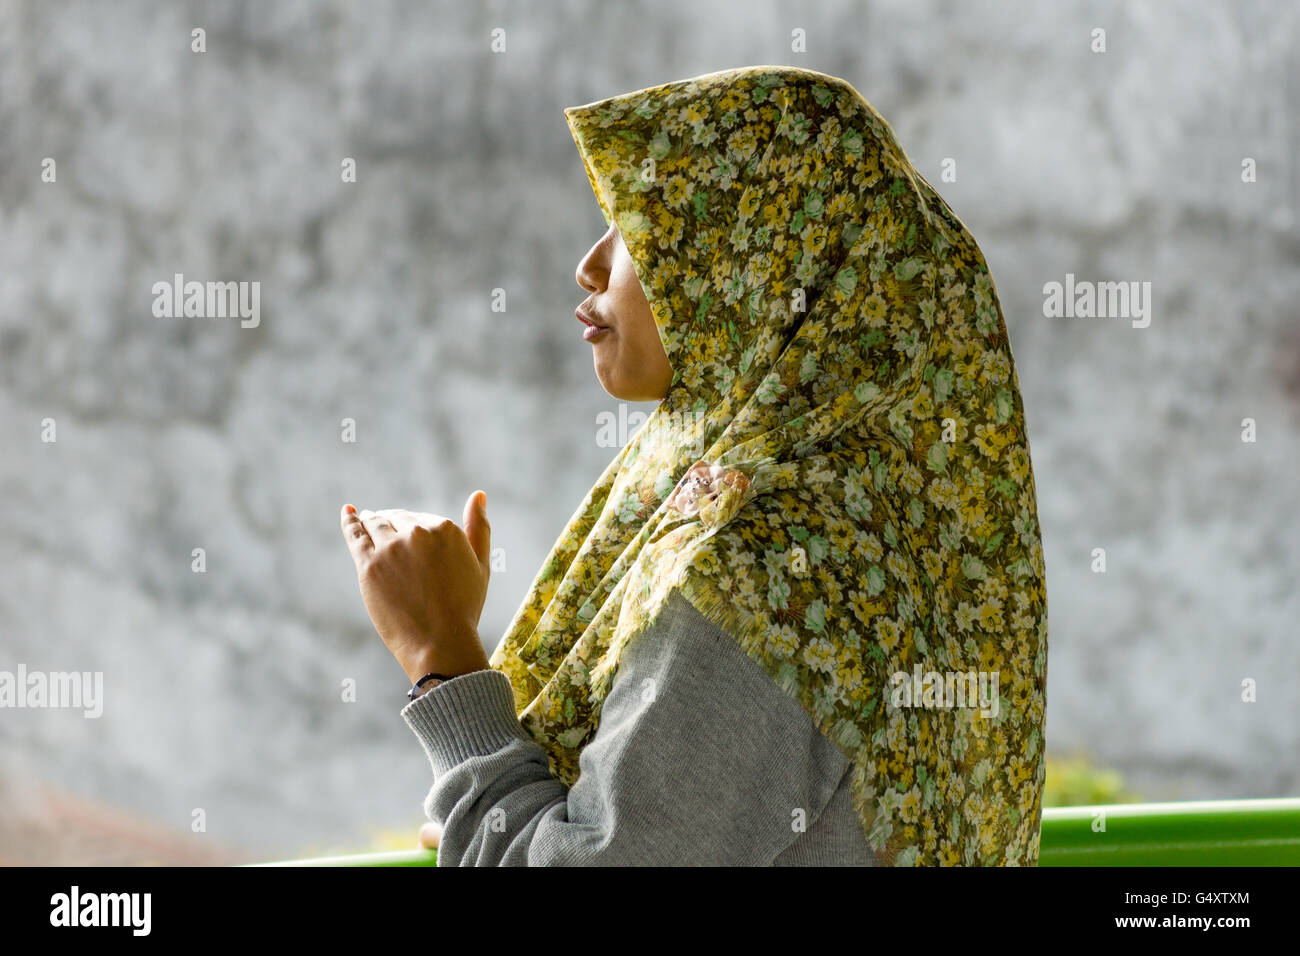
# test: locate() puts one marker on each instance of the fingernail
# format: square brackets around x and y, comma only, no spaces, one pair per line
[349,509]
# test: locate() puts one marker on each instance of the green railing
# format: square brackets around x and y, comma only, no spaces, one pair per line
[1208,833]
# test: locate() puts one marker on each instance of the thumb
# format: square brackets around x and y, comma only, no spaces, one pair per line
[477,528]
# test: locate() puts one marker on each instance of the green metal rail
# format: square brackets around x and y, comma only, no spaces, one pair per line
[1207,833]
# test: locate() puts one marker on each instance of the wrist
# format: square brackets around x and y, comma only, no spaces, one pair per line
[430,661]
[444,670]
[453,658]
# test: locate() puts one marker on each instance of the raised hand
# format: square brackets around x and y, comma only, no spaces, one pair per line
[424,580]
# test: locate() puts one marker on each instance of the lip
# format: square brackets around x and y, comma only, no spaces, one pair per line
[585,319]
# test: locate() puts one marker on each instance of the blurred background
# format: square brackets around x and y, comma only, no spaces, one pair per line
[225,733]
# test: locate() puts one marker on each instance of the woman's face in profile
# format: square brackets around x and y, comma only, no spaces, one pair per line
[628,354]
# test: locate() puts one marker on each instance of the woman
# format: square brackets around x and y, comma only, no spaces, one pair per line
[744,647]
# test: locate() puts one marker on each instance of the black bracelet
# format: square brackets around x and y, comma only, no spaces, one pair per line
[410,694]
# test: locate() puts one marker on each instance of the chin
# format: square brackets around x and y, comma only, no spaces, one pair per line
[625,391]
[622,393]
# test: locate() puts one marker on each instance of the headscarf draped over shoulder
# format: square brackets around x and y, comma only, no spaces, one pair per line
[839,474]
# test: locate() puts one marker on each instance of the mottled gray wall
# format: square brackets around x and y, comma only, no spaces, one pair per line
[222,688]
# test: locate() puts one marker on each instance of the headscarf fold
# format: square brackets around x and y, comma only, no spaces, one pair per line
[839,474]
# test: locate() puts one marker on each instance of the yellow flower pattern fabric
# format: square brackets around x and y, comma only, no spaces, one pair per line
[839,474]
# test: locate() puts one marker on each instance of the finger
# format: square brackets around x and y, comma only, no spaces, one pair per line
[478,530]
[399,518]
[405,521]
[425,519]
[360,545]
[380,527]
[430,835]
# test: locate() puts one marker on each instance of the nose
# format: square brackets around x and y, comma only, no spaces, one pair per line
[593,271]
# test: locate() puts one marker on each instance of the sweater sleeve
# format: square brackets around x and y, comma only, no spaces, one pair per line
[699,759]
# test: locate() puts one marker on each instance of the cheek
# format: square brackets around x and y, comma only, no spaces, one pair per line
[633,309]
[624,286]
[642,341]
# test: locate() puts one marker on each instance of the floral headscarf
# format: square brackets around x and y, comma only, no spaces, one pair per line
[839,474]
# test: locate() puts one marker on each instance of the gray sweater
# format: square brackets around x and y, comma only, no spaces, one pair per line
[716,766]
